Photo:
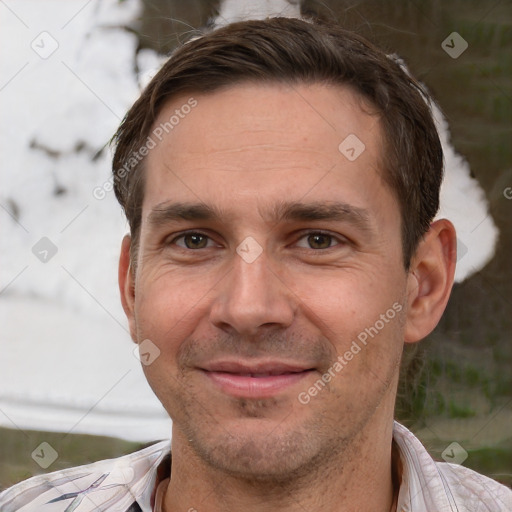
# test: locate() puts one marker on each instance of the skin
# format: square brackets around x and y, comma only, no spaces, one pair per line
[245,150]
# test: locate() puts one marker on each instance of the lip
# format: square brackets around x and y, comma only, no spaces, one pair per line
[257,380]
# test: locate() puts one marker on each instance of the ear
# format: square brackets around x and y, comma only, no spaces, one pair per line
[430,280]
[127,284]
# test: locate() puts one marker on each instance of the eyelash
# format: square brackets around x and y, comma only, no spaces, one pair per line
[338,238]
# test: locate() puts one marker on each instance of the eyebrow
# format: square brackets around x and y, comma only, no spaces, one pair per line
[167,212]
[329,211]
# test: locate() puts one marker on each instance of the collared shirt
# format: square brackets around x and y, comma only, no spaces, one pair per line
[128,484]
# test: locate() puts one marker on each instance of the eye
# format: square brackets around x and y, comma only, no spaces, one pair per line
[318,240]
[192,240]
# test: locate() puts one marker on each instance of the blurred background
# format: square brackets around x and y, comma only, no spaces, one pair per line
[68,73]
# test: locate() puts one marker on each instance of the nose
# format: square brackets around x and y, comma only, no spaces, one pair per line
[252,297]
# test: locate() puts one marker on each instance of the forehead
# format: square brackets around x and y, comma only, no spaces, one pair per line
[259,144]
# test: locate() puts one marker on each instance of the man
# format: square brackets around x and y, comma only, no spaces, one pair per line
[280,179]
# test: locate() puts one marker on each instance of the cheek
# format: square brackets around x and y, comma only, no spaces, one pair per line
[167,312]
[168,306]
[348,299]
[361,315]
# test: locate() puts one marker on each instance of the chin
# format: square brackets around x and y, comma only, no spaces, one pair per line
[257,450]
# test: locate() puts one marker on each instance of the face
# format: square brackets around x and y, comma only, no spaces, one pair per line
[270,277]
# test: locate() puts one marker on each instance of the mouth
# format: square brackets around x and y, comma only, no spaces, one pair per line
[261,380]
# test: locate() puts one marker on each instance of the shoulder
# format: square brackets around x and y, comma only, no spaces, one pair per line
[430,485]
[114,484]
[474,491]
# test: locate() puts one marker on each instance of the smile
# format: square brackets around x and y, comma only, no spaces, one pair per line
[258,381]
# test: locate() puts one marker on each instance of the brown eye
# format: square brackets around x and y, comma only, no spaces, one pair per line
[195,241]
[319,241]
[192,241]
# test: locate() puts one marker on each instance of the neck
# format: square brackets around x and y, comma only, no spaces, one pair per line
[359,477]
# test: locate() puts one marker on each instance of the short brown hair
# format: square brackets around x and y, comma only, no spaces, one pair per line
[293,51]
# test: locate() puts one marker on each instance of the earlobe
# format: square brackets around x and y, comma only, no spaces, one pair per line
[430,280]
[127,284]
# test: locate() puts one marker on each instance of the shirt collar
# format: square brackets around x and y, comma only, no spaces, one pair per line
[423,487]
[160,468]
